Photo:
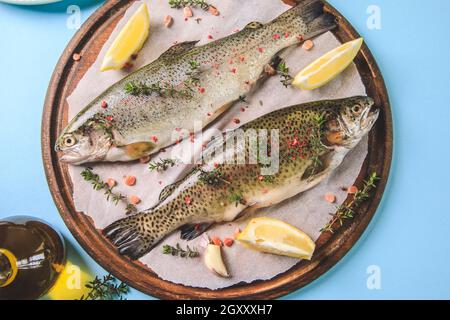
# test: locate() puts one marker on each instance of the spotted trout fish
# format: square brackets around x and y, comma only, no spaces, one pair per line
[186,85]
[313,140]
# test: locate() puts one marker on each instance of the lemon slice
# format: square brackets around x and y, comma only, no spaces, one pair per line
[12,260]
[327,67]
[129,41]
[277,237]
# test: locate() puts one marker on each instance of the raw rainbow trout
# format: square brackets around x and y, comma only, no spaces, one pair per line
[313,140]
[187,84]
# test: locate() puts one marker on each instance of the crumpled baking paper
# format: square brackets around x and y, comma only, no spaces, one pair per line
[307,211]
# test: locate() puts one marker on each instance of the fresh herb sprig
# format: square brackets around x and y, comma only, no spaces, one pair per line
[315,144]
[309,144]
[140,88]
[94,179]
[347,210]
[214,177]
[237,198]
[283,71]
[268,179]
[177,4]
[100,122]
[242,99]
[105,288]
[180,252]
[98,184]
[161,165]
[193,75]
[167,90]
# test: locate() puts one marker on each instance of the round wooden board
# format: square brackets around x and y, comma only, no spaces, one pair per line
[330,247]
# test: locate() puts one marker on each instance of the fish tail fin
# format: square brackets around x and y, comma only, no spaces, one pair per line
[318,22]
[320,25]
[132,236]
[309,13]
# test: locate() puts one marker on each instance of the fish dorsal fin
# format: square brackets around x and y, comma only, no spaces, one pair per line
[165,193]
[178,49]
[169,189]
[254,25]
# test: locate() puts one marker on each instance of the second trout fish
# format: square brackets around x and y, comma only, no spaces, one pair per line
[313,140]
[186,85]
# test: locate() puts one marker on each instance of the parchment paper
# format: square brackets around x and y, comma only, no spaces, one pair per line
[308,211]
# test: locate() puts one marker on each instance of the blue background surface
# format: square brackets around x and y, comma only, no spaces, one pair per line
[409,236]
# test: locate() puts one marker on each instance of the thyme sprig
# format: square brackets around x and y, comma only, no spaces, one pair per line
[167,90]
[283,71]
[214,177]
[309,144]
[180,252]
[177,4]
[242,99]
[316,146]
[140,88]
[237,198]
[347,210]
[105,288]
[98,184]
[193,75]
[163,90]
[268,179]
[161,165]
[99,122]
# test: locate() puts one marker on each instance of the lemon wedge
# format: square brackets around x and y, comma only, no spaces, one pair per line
[327,67]
[129,41]
[277,237]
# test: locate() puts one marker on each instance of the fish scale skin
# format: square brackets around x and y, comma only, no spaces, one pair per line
[211,203]
[173,71]
[229,68]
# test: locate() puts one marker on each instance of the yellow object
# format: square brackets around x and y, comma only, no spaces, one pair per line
[327,67]
[214,262]
[13,262]
[71,283]
[277,237]
[129,41]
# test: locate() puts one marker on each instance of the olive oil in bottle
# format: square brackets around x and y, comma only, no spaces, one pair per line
[32,254]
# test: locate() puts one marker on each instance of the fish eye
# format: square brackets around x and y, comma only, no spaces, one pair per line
[356,108]
[69,141]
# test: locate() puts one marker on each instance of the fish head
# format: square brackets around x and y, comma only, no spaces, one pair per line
[89,142]
[355,118]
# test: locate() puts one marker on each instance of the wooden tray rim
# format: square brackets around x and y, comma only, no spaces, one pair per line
[139,276]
